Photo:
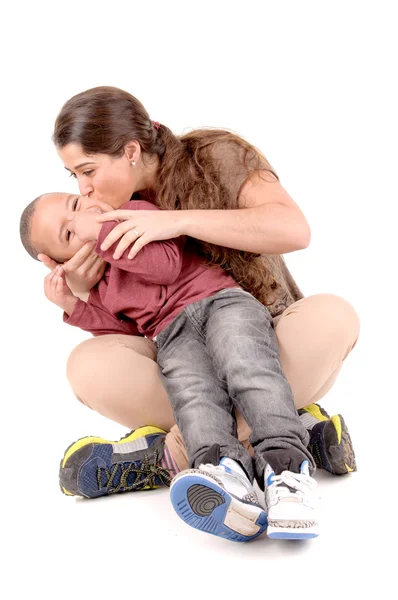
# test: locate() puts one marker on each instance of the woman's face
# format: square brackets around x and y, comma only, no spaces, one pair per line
[100,176]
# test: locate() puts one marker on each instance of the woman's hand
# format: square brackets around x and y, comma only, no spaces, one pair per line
[58,292]
[83,271]
[141,227]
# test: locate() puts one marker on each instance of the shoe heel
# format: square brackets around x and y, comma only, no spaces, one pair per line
[206,506]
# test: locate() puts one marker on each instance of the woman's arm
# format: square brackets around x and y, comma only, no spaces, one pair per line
[268,221]
[158,262]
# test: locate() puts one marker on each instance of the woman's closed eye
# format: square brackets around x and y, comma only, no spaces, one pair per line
[87,173]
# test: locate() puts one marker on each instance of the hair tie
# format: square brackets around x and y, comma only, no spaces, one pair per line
[156,124]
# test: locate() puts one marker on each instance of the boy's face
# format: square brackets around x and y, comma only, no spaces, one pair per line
[49,226]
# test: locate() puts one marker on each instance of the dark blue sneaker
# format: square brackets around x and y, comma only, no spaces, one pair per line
[94,467]
[330,442]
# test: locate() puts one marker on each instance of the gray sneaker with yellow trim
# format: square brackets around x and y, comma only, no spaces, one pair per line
[330,442]
[94,467]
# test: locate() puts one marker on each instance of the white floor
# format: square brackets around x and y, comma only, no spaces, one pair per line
[130,544]
[312,85]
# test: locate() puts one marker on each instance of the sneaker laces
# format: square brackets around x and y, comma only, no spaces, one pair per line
[145,475]
[298,482]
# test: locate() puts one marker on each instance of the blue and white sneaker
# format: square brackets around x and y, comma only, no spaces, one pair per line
[291,500]
[219,500]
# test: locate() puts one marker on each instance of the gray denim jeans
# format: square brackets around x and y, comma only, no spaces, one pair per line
[221,353]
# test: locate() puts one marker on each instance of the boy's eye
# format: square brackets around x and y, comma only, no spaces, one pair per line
[75,204]
[67,235]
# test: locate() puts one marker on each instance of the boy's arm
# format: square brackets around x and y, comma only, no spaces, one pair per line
[94,318]
[157,262]
[91,315]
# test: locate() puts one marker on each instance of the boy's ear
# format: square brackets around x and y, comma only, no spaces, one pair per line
[132,151]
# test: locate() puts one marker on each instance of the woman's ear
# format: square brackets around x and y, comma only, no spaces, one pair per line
[132,151]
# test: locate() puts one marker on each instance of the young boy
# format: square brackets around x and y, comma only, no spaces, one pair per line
[216,350]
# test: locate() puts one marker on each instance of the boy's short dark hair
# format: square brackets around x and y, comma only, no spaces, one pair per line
[25,226]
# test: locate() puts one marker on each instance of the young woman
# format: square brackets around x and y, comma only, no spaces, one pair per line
[221,191]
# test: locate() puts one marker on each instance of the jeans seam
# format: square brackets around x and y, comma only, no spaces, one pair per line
[194,323]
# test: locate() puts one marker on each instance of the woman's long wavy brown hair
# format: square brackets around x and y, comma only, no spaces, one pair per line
[104,119]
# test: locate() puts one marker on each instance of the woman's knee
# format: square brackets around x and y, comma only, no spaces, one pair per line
[319,323]
[98,364]
[337,315]
[118,377]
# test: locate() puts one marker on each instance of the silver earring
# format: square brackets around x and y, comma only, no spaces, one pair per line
[133,163]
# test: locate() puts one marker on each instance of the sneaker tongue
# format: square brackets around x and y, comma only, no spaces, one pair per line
[290,490]
[233,465]
[212,456]
[283,460]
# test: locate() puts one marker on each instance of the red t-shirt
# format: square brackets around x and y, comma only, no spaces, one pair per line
[143,295]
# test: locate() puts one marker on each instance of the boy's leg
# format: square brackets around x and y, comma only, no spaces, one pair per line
[244,349]
[216,495]
[201,404]
[243,346]
[315,335]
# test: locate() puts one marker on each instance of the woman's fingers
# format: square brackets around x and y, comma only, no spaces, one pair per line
[117,232]
[114,215]
[138,245]
[129,238]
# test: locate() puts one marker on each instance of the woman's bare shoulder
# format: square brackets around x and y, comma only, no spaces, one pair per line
[262,187]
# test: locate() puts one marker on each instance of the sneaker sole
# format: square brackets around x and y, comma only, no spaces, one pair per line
[133,435]
[204,505]
[285,533]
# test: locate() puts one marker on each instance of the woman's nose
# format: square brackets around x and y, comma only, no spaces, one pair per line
[85,188]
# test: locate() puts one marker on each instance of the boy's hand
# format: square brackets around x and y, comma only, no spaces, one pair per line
[57,291]
[83,271]
[85,225]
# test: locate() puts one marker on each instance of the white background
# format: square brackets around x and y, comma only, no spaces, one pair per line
[313,85]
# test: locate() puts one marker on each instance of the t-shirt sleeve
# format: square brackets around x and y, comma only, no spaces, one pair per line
[97,320]
[234,166]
